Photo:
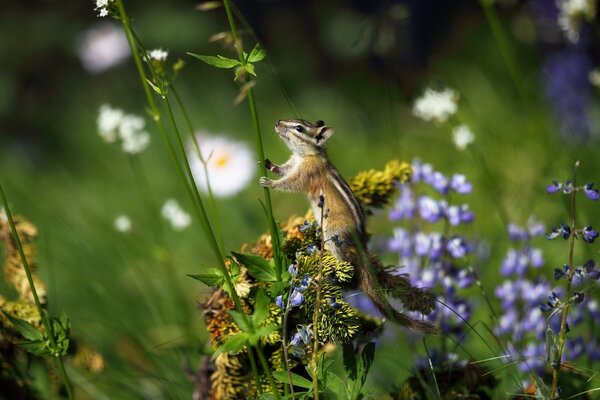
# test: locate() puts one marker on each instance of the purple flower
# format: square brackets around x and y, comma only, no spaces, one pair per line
[305,226]
[421,172]
[312,249]
[515,262]
[563,231]
[296,298]
[568,91]
[439,182]
[401,243]
[536,258]
[429,209]
[459,183]
[333,303]
[589,235]
[457,247]
[568,188]
[304,283]
[279,301]
[405,205]
[436,246]
[590,192]
[516,233]
[293,270]
[553,188]
[507,293]
[457,215]
[535,227]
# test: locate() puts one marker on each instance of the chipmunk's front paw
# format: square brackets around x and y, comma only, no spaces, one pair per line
[265,182]
[269,165]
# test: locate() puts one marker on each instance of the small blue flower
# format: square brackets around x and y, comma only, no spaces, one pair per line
[457,247]
[312,249]
[554,187]
[429,209]
[304,283]
[552,300]
[568,188]
[589,235]
[293,270]
[337,241]
[516,233]
[563,231]
[296,298]
[333,303]
[590,192]
[440,183]
[279,301]
[559,273]
[305,226]
[405,205]
[459,183]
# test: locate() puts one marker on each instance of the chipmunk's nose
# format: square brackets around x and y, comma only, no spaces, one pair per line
[278,123]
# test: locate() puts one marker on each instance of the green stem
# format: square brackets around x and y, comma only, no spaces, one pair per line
[318,308]
[504,47]
[197,201]
[265,365]
[36,299]
[254,369]
[562,335]
[259,146]
[211,196]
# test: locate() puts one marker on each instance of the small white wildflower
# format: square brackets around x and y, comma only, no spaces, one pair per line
[172,212]
[230,164]
[594,77]
[102,46]
[158,55]
[136,144]
[102,7]
[462,136]
[109,120]
[572,14]
[114,124]
[123,223]
[435,105]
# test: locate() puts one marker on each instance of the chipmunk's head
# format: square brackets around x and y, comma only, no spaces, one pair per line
[303,137]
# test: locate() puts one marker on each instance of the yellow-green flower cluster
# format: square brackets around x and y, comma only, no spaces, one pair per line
[374,188]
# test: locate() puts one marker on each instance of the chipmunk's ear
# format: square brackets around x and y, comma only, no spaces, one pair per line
[323,134]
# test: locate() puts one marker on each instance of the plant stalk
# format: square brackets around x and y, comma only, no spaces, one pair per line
[36,299]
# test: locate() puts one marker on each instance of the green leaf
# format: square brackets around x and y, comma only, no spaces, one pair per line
[261,307]
[257,53]
[157,89]
[262,332]
[239,72]
[250,69]
[38,347]
[349,356]
[257,266]
[218,61]
[297,380]
[241,320]
[278,288]
[368,356]
[214,279]
[234,343]
[27,330]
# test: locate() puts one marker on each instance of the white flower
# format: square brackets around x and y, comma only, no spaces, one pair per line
[594,77]
[102,7]
[230,164]
[109,120]
[462,136]
[172,212]
[123,223]
[114,124]
[102,46]
[572,14]
[436,105]
[158,55]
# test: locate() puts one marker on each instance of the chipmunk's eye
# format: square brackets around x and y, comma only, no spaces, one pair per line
[299,128]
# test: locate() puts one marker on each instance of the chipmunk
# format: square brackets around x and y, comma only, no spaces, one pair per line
[309,171]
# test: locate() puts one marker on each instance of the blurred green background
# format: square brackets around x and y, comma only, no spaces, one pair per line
[356,65]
